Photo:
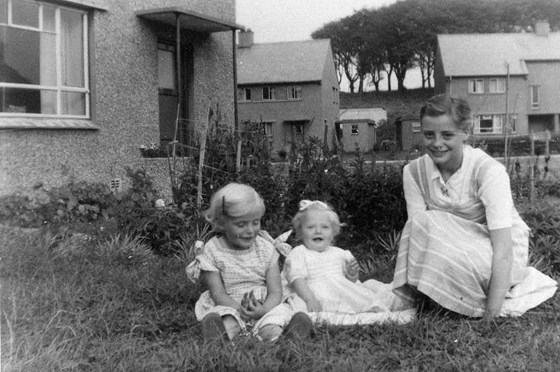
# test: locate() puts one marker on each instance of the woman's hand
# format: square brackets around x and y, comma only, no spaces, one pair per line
[313,305]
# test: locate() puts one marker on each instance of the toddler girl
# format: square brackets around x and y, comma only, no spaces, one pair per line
[325,277]
[241,272]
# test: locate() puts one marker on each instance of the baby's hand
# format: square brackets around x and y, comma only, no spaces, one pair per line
[352,269]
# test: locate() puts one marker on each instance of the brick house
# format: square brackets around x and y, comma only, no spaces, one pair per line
[289,87]
[513,75]
[85,83]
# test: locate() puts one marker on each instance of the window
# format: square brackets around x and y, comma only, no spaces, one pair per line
[415,126]
[294,93]
[476,86]
[493,123]
[535,96]
[335,95]
[497,85]
[44,57]
[298,129]
[244,94]
[355,130]
[269,94]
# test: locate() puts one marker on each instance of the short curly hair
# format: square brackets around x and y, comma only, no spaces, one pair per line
[456,108]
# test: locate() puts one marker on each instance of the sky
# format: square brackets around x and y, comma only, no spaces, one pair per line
[293,20]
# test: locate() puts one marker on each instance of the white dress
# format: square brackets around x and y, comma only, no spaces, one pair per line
[324,273]
[445,250]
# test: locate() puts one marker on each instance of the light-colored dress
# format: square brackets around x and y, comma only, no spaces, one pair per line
[324,273]
[241,271]
[445,250]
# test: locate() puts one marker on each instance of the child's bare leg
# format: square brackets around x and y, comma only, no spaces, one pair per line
[232,326]
[270,332]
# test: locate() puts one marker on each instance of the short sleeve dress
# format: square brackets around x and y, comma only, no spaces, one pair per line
[324,275]
[445,250]
[241,271]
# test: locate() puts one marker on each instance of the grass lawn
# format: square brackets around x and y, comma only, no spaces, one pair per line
[80,305]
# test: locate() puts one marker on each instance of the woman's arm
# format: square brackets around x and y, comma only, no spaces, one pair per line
[414,199]
[500,279]
[217,290]
[303,291]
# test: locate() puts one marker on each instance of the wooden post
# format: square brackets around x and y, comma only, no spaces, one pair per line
[238,158]
[203,134]
[532,167]
[547,143]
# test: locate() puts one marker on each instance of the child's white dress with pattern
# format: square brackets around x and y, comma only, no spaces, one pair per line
[241,271]
[342,301]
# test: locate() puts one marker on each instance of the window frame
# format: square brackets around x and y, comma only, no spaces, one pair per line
[58,88]
[272,94]
[416,126]
[474,84]
[242,94]
[496,129]
[355,130]
[294,93]
[535,104]
[499,88]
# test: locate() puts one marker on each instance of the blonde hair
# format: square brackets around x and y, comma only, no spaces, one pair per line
[233,200]
[316,206]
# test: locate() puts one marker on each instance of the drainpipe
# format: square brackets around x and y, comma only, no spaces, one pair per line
[234,49]
[177,73]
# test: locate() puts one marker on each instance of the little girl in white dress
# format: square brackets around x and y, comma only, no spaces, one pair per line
[325,277]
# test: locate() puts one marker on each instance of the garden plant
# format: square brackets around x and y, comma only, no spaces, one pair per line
[95,281]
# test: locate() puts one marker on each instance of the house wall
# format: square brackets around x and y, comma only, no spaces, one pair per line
[123,55]
[488,103]
[280,111]
[547,75]
[410,140]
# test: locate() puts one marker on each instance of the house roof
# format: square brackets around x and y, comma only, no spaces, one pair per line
[373,113]
[488,54]
[295,61]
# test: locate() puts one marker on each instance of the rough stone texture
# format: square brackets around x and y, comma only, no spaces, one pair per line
[124,101]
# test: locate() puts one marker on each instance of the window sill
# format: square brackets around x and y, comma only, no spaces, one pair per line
[28,123]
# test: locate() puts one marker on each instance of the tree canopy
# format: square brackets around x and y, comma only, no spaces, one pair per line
[374,44]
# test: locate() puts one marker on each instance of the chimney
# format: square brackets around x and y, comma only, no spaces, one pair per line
[542,28]
[245,39]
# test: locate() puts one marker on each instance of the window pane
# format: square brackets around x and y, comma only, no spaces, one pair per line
[49,18]
[73,103]
[3,11]
[20,56]
[166,69]
[25,13]
[72,49]
[20,100]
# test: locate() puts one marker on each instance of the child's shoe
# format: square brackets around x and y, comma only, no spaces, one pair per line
[213,328]
[300,326]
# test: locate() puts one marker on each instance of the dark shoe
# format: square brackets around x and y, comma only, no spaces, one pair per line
[299,327]
[213,327]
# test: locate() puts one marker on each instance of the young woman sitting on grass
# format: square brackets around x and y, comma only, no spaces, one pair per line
[464,245]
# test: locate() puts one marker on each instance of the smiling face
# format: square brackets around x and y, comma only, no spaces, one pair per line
[241,232]
[443,141]
[317,231]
